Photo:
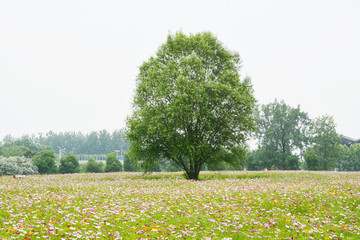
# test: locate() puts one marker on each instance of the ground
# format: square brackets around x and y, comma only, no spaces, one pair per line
[223,205]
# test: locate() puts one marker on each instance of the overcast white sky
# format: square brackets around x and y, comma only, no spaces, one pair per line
[71,65]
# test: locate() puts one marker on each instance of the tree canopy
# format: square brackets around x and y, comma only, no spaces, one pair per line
[325,144]
[283,134]
[113,164]
[45,162]
[69,164]
[191,105]
[94,167]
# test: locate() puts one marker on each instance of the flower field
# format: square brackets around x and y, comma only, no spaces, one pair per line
[227,205]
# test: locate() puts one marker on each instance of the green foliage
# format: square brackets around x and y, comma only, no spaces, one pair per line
[17,166]
[350,160]
[113,164]
[311,159]
[172,167]
[16,147]
[29,154]
[14,150]
[282,131]
[129,164]
[96,142]
[190,105]
[326,142]
[69,164]
[45,162]
[94,167]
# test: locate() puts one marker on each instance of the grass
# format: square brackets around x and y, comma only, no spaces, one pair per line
[223,205]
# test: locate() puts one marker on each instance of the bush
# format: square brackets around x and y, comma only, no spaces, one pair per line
[17,166]
[69,164]
[113,164]
[45,162]
[94,167]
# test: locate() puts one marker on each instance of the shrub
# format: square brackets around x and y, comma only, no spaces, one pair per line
[113,164]
[69,164]
[45,162]
[17,166]
[94,167]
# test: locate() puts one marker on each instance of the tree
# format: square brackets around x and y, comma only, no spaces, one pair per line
[326,142]
[14,150]
[350,160]
[29,154]
[94,167]
[45,162]
[311,159]
[129,164]
[17,166]
[69,164]
[113,164]
[282,132]
[190,105]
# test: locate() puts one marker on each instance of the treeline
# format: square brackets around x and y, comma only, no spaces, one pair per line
[96,142]
[288,139]
[45,163]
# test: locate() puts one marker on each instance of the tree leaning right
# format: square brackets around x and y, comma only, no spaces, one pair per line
[191,106]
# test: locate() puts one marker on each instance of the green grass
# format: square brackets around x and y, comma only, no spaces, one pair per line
[223,205]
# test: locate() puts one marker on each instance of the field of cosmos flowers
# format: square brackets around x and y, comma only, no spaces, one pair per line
[223,205]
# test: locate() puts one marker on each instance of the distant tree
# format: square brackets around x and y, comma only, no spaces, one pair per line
[311,159]
[191,105]
[8,138]
[17,147]
[94,167]
[45,162]
[350,160]
[282,131]
[17,166]
[69,164]
[14,150]
[92,143]
[326,142]
[129,164]
[172,167]
[104,139]
[29,154]
[113,164]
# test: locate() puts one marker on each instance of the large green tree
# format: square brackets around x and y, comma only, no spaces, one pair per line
[282,132]
[191,105]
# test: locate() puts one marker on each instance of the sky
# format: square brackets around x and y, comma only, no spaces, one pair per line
[71,65]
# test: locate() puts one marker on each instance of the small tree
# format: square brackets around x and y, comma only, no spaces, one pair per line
[69,164]
[45,162]
[113,164]
[94,167]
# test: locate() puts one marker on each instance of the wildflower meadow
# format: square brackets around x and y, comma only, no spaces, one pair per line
[223,205]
